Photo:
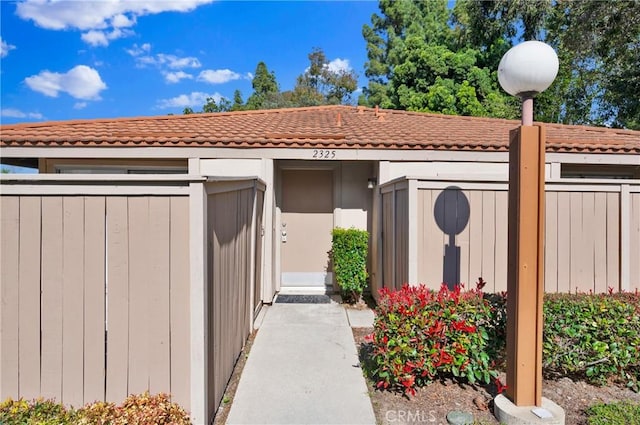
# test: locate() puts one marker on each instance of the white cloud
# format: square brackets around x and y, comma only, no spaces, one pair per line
[194,99]
[161,60]
[5,48]
[80,105]
[218,76]
[102,38]
[16,113]
[81,82]
[339,65]
[178,63]
[106,16]
[139,50]
[120,21]
[95,38]
[175,77]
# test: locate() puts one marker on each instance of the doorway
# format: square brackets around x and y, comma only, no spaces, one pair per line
[307,203]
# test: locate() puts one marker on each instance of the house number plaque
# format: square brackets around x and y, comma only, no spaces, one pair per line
[323,154]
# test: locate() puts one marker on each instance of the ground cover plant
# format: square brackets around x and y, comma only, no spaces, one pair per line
[142,409]
[614,413]
[594,337]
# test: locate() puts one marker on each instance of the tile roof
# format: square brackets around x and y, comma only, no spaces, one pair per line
[333,127]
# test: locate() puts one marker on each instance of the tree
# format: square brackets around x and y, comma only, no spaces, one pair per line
[417,61]
[265,88]
[223,105]
[238,103]
[423,56]
[321,84]
[602,42]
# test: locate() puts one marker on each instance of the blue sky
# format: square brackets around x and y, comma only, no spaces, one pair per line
[77,59]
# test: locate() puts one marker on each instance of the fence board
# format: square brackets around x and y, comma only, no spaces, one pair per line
[501,251]
[72,300]
[179,301]
[94,299]
[52,249]
[586,282]
[488,238]
[564,241]
[462,241]
[387,240]
[9,243]
[600,242]
[401,243]
[158,295]
[475,235]
[138,294]
[29,299]
[613,240]
[634,242]
[551,242]
[435,248]
[424,197]
[577,252]
[117,299]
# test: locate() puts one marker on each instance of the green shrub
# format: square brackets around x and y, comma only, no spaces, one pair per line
[593,337]
[420,335]
[35,412]
[349,251]
[141,409]
[623,413]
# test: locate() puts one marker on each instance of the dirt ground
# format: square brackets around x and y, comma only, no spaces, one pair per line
[232,385]
[432,403]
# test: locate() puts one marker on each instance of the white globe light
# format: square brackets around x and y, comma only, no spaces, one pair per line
[528,68]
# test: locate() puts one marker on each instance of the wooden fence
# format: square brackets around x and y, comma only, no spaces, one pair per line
[233,237]
[456,231]
[95,297]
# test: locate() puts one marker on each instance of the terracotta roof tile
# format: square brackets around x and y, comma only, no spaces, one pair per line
[332,127]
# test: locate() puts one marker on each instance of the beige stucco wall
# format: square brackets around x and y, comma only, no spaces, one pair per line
[354,208]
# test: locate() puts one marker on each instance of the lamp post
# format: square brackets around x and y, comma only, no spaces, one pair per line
[524,71]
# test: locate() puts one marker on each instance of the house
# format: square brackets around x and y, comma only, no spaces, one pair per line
[146,246]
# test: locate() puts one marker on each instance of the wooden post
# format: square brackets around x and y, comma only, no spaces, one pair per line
[525,278]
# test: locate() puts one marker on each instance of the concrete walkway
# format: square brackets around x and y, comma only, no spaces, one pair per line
[303,368]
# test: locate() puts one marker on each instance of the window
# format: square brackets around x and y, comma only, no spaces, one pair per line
[599,171]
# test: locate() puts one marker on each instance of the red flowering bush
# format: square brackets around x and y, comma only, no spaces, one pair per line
[420,335]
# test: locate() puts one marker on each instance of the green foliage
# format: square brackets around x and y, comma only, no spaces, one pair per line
[35,412]
[593,337]
[410,46]
[143,409]
[418,62]
[349,251]
[623,413]
[421,335]
[265,88]
[322,85]
[238,104]
[223,105]
[601,43]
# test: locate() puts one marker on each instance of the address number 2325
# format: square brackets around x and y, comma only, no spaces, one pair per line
[323,154]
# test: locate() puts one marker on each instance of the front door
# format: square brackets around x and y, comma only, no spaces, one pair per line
[305,228]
